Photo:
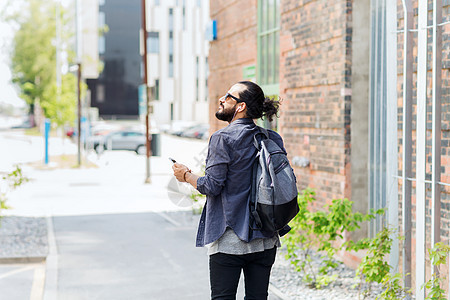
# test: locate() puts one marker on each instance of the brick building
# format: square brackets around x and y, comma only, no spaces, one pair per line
[338,67]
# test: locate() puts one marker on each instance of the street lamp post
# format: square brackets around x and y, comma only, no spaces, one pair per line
[79,113]
[145,82]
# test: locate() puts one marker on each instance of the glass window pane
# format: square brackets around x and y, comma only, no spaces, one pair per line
[156,89]
[170,65]
[270,61]
[271,14]
[171,42]
[277,13]
[264,15]
[262,65]
[170,18]
[277,57]
[153,42]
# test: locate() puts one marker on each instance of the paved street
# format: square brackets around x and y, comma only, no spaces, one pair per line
[112,236]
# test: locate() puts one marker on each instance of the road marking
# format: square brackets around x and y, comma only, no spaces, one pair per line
[37,289]
[10,273]
[277,292]
[165,216]
[51,282]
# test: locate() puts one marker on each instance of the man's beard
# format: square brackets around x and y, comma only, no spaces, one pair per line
[226,114]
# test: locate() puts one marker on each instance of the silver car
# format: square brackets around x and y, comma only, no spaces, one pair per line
[120,140]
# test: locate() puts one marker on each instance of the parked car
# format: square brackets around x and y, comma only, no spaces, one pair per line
[199,131]
[119,140]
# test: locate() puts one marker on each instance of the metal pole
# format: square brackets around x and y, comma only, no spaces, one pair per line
[421,147]
[391,130]
[58,51]
[79,56]
[145,81]
[436,125]
[79,113]
[407,138]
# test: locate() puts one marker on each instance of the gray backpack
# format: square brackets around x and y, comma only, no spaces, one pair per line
[274,188]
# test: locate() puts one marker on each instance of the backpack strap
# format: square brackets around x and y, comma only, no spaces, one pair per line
[253,203]
[264,133]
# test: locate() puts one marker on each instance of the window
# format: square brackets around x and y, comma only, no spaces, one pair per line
[197,67]
[101,45]
[100,93]
[156,94]
[156,2]
[377,119]
[101,38]
[170,65]
[153,42]
[170,19]
[268,45]
[206,78]
[170,42]
[184,18]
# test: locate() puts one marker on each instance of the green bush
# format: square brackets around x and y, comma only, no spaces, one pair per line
[375,268]
[438,257]
[321,232]
[10,181]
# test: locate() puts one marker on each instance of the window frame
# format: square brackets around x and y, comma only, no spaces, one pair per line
[269,87]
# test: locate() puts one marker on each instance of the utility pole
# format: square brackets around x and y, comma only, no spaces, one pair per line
[147,94]
[79,112]
[79,74]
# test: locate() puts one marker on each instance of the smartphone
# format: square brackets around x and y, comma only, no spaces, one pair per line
[172,160]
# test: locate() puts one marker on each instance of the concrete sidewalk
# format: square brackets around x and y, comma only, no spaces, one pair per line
[110,235]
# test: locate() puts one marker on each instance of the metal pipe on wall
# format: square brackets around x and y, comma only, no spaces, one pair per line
[436,125]
[407,139]
[421,147]
[391,131]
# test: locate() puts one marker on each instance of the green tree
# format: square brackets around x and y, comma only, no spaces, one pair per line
[33,60]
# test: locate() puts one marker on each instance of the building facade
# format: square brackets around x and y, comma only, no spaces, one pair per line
[178,60]
[115,92]
[339,69]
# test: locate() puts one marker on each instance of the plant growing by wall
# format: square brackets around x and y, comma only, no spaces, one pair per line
[321,232]
[9,182]
[375,268]
[438,257]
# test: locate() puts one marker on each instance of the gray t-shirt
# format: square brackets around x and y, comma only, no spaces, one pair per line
[230,243]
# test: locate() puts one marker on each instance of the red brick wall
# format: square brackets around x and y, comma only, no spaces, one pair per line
[315,42]
[445,127]
[234,48]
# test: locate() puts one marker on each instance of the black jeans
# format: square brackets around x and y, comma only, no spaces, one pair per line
[225,270]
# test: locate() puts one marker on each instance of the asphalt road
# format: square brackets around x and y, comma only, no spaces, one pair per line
[129,256]
[111,235]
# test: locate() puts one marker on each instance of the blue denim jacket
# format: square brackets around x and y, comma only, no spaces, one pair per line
[227,182]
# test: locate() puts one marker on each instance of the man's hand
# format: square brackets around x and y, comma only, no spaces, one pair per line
[179,171]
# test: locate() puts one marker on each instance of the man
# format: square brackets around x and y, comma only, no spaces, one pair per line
[224,224]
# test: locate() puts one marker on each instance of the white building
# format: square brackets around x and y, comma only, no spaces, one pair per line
[178,60]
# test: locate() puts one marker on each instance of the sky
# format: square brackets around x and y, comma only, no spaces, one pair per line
[8,93]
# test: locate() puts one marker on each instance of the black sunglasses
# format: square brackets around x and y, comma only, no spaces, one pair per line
[233,97]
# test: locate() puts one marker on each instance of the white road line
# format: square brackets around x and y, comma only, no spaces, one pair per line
[277,292]
[10,273]
[169,219]
[37,289]
[51,282]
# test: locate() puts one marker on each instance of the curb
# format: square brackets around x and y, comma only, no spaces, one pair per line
[22,260]
[51,271]
[277,292]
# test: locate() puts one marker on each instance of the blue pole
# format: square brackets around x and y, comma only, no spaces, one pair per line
[46,133]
